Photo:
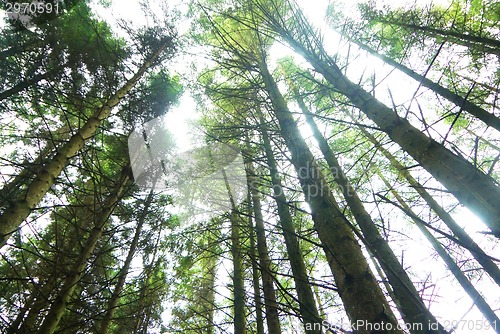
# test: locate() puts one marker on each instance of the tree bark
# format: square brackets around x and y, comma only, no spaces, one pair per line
[469,185]
[412,307]
[15,186]
[362,297]
[259,319]
[473,109]
[307,305]
[122,275]
[238,279]
[144,309]
[20,208]
[467,40]
[272,317]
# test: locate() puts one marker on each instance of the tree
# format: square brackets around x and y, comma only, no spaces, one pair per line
[472,187]
[13,216]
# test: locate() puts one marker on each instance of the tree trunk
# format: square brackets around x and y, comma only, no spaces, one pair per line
[58,306]
[485,116]
[476,297]
[15,186]
[20,208]
[238,279]
[470,41]
[307,305]
[113,301]
[412,307]
[488,265]
[14,326]
[209,299]
[144,309]
[26,83]
[41,302]
[18,49]
[363,299]
[255,271]
[272,317]
[470,186]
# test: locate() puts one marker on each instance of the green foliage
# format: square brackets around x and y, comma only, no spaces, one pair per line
[152,98]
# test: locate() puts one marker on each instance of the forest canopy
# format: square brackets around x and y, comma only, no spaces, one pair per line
[257,166]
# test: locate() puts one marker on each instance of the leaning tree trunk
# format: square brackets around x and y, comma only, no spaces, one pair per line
[21,207]
[465,240]
[362,297]
[473,188]
[412,307]
[18,49]
[464,104]
[238,278]
[259,319]
[470,186]
[19,87]
[14,187]
[488,45]
[307,305]
[122,275]
[41,302]
[58,306]
[272,317]
[28,305]
[469,288]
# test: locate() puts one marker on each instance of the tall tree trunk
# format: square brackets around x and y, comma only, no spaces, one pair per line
[488,265]
[468,40]
[272,317]
[20,208]
[259,319]
[209,299]
[307,305]
[122,275]
[362,297]
[144,309]
[469,288]
[469,185]
[58,306]
[485,116]
[238,279]
[15,186]
[412,307]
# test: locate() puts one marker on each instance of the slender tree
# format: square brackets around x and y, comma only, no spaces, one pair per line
[353,278]
[122,275]
[272,318]
[307,305]
[58,306]
[462,102]
[465,239]
[259,319]
[469,288]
